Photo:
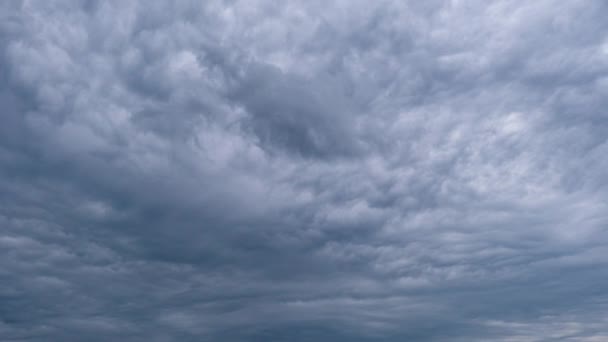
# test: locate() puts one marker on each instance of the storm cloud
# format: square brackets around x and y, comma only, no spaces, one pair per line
[304,170]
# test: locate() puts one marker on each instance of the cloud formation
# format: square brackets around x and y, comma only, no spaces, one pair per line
[303,170]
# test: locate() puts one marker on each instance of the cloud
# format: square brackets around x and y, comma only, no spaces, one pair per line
[351,171]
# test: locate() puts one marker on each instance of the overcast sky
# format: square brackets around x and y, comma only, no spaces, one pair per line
[246,170]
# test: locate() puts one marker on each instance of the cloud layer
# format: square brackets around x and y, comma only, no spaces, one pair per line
[303,170]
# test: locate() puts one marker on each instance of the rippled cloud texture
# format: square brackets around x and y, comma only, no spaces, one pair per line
[304,171]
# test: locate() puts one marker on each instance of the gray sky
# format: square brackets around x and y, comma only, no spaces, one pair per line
[304,170]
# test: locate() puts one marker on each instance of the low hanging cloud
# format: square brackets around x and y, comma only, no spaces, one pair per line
[303,170]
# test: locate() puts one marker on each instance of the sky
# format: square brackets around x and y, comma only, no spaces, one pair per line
[345,170]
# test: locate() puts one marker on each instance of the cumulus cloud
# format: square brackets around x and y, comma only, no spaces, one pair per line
[303,170]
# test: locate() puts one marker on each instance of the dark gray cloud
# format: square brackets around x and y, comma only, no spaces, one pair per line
[298,171]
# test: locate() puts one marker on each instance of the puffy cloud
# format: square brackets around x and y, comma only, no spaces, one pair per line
[344,171]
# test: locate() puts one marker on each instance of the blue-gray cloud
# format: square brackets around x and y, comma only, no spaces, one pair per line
[304,170]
